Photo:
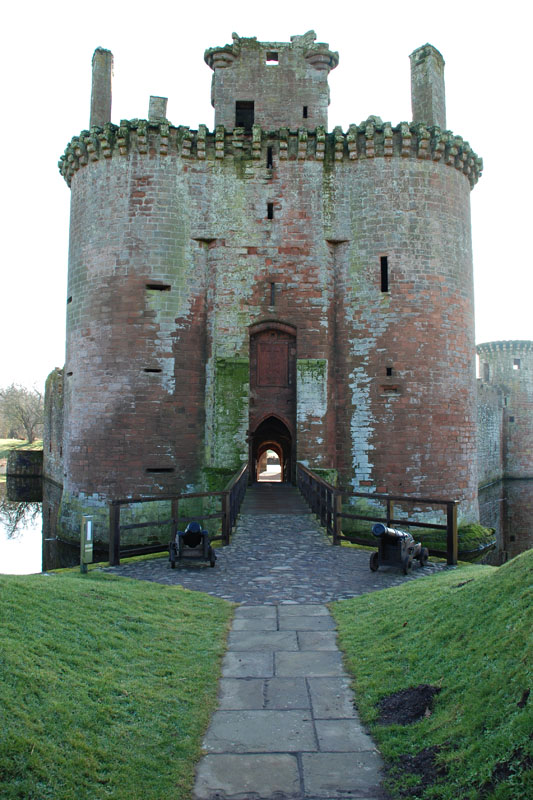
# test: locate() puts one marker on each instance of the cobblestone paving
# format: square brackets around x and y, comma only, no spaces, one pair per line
[277,558]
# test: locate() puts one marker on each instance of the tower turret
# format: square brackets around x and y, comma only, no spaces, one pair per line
[271,84]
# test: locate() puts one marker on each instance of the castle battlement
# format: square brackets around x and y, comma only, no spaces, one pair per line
[505,346]
[371,139]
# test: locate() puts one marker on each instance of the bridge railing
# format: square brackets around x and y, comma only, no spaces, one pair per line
[326,501]
[230,500]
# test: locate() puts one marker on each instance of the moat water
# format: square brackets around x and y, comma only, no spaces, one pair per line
[28,542]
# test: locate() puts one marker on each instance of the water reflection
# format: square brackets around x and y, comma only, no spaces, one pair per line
[20,527]
[507,506]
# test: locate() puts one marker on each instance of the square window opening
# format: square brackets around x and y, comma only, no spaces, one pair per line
[272,58]
[244,114]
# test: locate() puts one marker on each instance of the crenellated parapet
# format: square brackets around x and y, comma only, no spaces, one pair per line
[373,138]
[505,346]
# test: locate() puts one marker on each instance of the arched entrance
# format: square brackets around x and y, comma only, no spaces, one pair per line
[273,396]
[271,434]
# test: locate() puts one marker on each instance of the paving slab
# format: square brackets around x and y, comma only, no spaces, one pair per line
[306,623]
[261,732]
[308,664]
[317,640]
[341,735]
[331,698]
[254,623]
[283,693]
[336,775]
[236,694]
[257,612]
[262,640]
[248,665]
[248,777]
[303,609]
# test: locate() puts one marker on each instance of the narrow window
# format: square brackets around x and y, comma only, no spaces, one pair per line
[271,59]
[486,372]
[384,261]
[160,469]
[511,419]
[516,363]
[305,112]
[272,294]
[69,300]
[152,369]
[270,163]
[158,287]
[69,374]
[389,371]
[244,114]
[270,210]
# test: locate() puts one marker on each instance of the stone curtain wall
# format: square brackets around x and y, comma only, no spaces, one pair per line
[508,365]
[490,433]
[53,464]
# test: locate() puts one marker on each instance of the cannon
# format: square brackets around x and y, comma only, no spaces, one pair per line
[396,548]
[193,544]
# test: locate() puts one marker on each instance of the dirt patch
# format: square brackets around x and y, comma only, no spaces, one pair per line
[423,765]
[518,761]
[408,705]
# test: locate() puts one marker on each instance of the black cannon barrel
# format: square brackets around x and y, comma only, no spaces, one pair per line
[379,529]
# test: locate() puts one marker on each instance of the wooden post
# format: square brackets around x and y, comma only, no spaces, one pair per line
[337,522]
[451,534]
[226,524]
[174,513]
[390,511]
[114,534]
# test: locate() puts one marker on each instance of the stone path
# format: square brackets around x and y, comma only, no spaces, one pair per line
[286,726]
[280,557]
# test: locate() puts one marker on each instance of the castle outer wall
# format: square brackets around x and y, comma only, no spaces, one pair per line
[506,415]
[318,284]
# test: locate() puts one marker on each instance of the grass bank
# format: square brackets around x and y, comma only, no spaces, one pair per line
[467,634]
[107,686]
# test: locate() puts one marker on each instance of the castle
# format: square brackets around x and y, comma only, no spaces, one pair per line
[268,284]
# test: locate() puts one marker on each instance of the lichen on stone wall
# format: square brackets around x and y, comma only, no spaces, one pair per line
[311,389]
[230,419]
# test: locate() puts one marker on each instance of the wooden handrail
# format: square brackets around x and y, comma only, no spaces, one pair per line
[325,500]
[230,499]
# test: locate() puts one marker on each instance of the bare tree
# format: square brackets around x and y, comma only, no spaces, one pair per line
[23,410]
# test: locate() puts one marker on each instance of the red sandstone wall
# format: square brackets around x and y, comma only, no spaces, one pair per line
[129,228]
[415,430]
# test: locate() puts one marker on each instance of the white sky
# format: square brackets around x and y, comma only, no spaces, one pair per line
[46,57]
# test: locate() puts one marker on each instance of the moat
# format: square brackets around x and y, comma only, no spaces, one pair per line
[28,541]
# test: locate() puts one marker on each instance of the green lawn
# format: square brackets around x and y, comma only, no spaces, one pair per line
[18,444]
[468,632]
[107,686]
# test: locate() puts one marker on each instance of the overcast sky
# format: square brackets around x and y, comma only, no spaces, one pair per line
[158,49]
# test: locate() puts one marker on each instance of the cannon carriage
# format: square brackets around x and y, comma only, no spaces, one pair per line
[396,548]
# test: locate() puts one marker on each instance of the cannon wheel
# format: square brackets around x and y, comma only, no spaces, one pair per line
[374,562]
[423,557]
[407,564]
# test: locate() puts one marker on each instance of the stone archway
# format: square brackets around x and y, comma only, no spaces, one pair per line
[272,434]
[272,416]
